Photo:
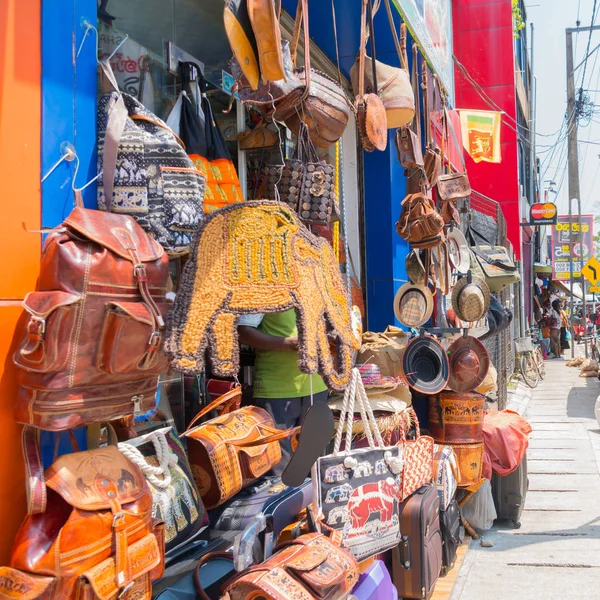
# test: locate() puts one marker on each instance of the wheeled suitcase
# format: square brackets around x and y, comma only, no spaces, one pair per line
[509,492]
[417,560]
[278,502]
[452,535]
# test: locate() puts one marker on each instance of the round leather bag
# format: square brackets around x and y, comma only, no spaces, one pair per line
[372,122]
[456,418]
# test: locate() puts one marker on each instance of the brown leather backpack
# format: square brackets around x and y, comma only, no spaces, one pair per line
[420,224]
[91,349]
[96,539]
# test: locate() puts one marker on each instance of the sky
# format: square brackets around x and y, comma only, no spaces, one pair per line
[550,18]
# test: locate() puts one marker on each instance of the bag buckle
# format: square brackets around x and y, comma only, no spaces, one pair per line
[154,341]
[126,589]
[36,327]
[137,404]
[139,272]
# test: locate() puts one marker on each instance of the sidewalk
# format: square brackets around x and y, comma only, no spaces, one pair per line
[555,555]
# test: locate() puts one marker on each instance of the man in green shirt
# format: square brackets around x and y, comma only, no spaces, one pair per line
[279,385]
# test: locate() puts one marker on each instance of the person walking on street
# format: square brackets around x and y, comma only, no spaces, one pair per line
[555,323]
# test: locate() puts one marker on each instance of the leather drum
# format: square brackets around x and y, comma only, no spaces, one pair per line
[456,418]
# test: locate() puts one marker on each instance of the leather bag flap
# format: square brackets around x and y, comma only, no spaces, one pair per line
[24,586]
[144,555]
[308,558]
[254,451]
[119,233]
[93,479]
[136,310]
[41,304]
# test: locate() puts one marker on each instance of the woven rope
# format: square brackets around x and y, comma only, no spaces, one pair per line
[165,458]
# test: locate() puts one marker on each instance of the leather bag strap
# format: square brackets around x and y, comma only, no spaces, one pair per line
[425,86]
[302,23]
[494,262]
[232,397]
[210,556]
[373,51]
[362,50]
[34,471]
[401,55]
[415,86]
[115,126]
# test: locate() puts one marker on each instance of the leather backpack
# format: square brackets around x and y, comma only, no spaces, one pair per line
[91,349]
[96,540]
[420,224]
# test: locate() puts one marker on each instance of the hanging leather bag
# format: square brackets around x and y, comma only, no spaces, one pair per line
[370,113]
[232,450]
[431,158]
[420,224]
[96,540]
[258,137]
[309,568]
[408,139]
[264,16]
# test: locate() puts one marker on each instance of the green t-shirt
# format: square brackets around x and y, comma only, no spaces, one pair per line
[276,373]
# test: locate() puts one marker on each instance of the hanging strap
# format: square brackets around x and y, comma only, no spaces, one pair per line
[115,127]
[373,52]
[415,86]
[401,55]
[34,470]
[337,45]
[362,49]
[425,86]
[302,23]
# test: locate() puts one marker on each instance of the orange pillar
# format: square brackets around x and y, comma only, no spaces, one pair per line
[20,205]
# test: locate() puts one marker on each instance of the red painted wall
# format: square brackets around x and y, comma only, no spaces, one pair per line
[484,44]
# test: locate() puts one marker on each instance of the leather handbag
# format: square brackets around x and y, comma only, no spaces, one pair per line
[417,455]
[370,113]
[309,567]
[408,140]
[91,345]
[359,490]
[469,458]
[175,499]
[499,270]
[324,106]
[242,41]
[305,183]
[265,24]
[96,539]
[456,418]
[420,224]
[231,451]
[258,137]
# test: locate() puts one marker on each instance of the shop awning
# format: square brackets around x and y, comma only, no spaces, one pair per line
[543,269]
[566,288]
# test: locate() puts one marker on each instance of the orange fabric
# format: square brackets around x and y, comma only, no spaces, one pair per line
[20,117]
[506,438]
[222,183]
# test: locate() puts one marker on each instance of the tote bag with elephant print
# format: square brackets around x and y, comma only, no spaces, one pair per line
[360,490]
[175,498]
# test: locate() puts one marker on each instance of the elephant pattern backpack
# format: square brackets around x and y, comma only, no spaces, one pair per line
[145,172]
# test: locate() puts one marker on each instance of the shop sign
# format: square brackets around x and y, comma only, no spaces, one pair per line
[594,289]
[430,23]
[582,250]
[543,214]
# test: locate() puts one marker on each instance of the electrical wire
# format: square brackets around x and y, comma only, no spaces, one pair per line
[587,50]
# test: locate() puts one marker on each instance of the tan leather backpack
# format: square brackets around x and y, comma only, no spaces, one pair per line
[96,540]
[420,224]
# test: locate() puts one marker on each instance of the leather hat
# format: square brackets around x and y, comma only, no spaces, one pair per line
[241,39]
[470,299]
[413,305]
[469,363]
[458,251]
[425,365]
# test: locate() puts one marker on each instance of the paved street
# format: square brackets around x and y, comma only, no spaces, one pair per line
[556,553]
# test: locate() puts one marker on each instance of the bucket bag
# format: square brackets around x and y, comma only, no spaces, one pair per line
[420,224]
[309,568]
[175,499]
[96,539]
[360,490]
[144,170]
[231,451]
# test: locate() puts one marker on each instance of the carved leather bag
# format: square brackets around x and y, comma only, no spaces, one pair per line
[95,541]
[231,451]
[91,351]
[456,417]
[311,567]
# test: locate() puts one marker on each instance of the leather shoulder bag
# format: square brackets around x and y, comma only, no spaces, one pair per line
[96,540]
[231,451]
[420,224]
[310,567]
[370,112]
[264,16]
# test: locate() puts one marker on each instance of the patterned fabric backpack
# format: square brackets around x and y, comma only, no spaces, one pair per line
[145,170]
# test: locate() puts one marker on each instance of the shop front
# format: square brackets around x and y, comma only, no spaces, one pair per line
[221,261]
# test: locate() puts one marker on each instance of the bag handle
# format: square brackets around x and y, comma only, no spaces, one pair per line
[301,22]
[210,556]
[425,86]
[232,397]
[362,50]
[411,411]
[494,262]
[373,52]
[415,87]
[117,118]
[277,435]
[401,55]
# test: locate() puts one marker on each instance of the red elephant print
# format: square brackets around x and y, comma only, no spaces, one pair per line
[370,499]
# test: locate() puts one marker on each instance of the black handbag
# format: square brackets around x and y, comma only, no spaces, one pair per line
[499,318]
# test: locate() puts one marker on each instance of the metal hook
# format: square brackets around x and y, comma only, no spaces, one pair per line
[85,24]
[117,47]
[67,152]
[75,189]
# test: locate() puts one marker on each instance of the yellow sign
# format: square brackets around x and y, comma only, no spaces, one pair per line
[594,289]
[591,270]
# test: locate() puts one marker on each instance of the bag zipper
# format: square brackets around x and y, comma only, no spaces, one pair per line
[69,405]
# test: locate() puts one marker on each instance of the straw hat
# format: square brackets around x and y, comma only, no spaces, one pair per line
[413,305]
[458,251]
[469,364]
[471,299]
[415,270]
[425,365]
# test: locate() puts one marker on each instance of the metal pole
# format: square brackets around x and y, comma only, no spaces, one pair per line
[585,343]
[573,164]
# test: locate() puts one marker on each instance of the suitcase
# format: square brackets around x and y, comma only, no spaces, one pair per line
[417,560]
[453,534]
[509,492]
[279,503]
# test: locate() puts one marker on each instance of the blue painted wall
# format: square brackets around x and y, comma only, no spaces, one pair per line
[385,184]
